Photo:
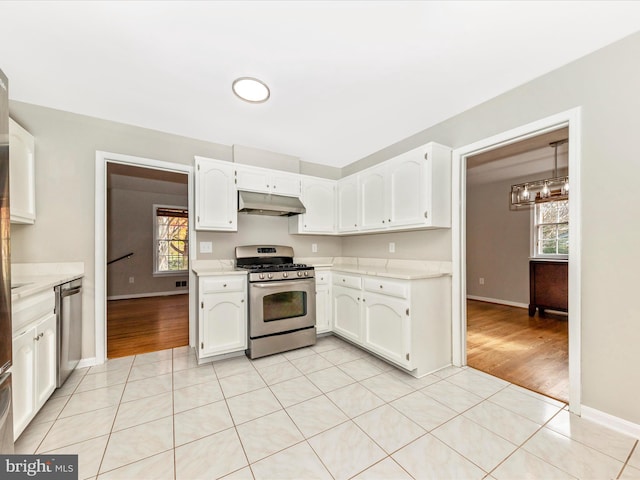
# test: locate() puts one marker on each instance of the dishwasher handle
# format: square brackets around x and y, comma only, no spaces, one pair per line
[71,291]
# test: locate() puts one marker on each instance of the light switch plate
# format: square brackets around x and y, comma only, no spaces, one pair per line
[206,247]
[314,247]
[392,247]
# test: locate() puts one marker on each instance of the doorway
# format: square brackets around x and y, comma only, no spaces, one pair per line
[571,120]
[506,242]
[151,168]
[148,260]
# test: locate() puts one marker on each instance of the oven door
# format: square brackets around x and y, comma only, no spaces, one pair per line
[276,307]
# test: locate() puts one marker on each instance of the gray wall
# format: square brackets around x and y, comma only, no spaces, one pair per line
[130,225]
[258,229]
[498,243]
[604,84]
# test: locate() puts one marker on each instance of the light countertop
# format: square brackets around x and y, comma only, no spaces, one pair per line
[216,267]
[380,267]
[31,278]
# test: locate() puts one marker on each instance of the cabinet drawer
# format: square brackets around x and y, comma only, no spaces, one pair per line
[31,308]
[322,278]
[386,287]
[347,280]
[223,284]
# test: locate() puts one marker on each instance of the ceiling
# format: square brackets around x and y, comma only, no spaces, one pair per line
[347,78]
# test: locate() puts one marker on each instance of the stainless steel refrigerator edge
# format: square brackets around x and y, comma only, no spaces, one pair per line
[6,407]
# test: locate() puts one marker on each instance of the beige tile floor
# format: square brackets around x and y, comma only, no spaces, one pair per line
[328,411]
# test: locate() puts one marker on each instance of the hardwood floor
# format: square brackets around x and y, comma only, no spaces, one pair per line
[142,325]
[528,351]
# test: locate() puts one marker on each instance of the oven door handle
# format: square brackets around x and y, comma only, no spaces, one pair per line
[289,283]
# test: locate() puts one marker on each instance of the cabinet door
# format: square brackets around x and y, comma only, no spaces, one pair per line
[285,184]
[407,185]
[323,307]
[318,197]
[216,198]
[22,183]
[223,323]
[346,312]
[386,327]
[45,345]
[373,199]
[348,205]
[253,179]
[23,380]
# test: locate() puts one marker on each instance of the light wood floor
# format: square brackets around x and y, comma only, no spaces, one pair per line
[142,325]
[528,351]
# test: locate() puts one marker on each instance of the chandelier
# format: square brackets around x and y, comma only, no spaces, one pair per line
[547,190]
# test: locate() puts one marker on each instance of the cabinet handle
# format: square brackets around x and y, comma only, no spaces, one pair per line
[426,214]
[344,280]
[359,299]
[201,304]
[242,301]
[389,220]
[267,186]
[407,357]
[426,157]
[407,316]
[202,345]
[230,221]
[380,286]
[224,285]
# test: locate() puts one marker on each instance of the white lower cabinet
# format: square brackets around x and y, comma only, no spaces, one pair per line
[222,316]
[387,327]
[407,322]
[323,301]
[34,370]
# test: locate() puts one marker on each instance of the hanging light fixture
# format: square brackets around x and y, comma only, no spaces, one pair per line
[549,189]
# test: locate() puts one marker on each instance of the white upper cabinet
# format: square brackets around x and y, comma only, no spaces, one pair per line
[372,186]
[264,180]
[319,199]
[22,180]
[348,205]
[216,195]
[410,191]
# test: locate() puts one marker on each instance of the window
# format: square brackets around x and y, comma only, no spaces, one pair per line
[551,229]
[171,239]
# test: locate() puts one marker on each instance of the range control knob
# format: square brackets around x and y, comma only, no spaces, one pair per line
[270,275]
[306,273]
[261,276]
[285,274]
[299,273]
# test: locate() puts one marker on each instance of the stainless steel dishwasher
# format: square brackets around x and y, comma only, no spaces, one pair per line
[69,320]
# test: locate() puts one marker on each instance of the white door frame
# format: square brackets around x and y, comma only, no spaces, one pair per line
[100,294]
[570,119]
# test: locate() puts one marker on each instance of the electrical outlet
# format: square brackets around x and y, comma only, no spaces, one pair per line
[206,247]
[314,247]
[131,279]
[392,247]
[481,280]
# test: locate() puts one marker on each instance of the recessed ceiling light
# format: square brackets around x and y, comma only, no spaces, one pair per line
[251,90]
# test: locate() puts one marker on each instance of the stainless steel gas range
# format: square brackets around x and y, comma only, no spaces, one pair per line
[282,299]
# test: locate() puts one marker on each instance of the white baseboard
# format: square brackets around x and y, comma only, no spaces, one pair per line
[145,295]
[615,423]
[87,362]
[498,301]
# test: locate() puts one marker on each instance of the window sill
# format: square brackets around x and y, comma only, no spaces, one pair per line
[177,273]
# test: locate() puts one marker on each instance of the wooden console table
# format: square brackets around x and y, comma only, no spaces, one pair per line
[548,286]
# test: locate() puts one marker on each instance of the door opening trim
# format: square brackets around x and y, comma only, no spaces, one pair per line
[100,294]
[572,120]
